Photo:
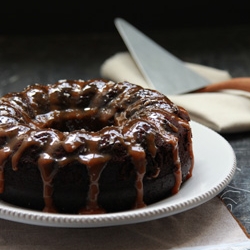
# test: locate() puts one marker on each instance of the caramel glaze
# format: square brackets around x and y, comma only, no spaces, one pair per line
[77,116]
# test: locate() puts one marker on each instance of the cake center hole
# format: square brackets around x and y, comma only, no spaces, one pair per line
[65,124]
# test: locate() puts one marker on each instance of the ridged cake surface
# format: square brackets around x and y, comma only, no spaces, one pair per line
[92,146]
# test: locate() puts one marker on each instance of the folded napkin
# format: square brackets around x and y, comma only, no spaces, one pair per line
[224,111]
[209,226]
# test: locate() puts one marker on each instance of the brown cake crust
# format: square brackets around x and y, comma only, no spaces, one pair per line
[92,146]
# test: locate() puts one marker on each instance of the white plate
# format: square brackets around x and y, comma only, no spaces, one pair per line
[215,165]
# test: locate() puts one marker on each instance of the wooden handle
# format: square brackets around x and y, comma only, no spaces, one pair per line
[241,83]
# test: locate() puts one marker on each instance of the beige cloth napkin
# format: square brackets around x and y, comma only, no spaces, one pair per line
[206,227]
[224,111]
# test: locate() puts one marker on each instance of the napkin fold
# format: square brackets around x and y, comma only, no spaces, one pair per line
[207,227]
[226,111]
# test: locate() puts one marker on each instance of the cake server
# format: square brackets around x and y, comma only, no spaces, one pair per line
[164,71]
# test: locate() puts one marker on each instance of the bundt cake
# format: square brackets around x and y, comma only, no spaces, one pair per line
[95,146]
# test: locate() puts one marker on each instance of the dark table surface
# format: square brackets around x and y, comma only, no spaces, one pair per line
[46,58]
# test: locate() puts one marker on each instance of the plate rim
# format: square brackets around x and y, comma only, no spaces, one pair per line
[155,211]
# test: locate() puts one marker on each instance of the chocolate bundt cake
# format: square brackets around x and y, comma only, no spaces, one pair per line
[93,146]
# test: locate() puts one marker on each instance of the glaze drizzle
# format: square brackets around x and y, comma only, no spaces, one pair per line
[77,114]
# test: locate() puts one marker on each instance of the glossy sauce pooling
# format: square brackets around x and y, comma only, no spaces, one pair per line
[80,114]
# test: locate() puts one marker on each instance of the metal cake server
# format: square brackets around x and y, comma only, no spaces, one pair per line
[164,71]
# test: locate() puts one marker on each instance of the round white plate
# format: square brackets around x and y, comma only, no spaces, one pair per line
[215,165]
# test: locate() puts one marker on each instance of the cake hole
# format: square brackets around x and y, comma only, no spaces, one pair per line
[89,124]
